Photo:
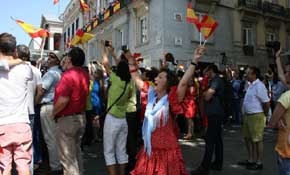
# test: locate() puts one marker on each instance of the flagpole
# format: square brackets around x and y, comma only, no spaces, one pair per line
[42,49]
[204,43]
[200,38]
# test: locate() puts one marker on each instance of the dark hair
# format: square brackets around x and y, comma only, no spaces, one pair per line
[169,57]
[77,56]
[123,71]
[213,68]
[152,74]
[7,44]
[256,71]
[23,52]
[171,77]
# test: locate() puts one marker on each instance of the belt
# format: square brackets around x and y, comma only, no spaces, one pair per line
[77,113]
[254,113]
[73,114]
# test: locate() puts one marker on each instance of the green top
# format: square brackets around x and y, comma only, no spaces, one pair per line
[117,86]
[89,102]
[132,100]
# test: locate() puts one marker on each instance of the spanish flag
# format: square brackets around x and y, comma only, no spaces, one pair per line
[191,17]
[96,23]
[85,7]
[55,2]
[208,26]
[107,15]
[117,7]
[33,31]
[81,37]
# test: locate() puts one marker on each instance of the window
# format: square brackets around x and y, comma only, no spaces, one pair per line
[64,37]
[77,24]
[178,17]
[288,3]
[122,37]
[73,29]
[271,34]
[143,30]
[68,32]
[248,36]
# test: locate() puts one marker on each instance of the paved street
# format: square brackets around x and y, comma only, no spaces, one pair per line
[234,151]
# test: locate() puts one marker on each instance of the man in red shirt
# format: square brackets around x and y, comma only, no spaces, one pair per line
[69,107]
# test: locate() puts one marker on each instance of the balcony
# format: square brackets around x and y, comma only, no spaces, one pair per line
[252,5]
[287,13]
[273,9]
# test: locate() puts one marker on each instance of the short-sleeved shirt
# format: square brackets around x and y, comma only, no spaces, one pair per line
[214,107]
[74,83]
[119,109]
[13,96]
[283,141]
[36,81]
[256,95]
[133,99]
[49,81]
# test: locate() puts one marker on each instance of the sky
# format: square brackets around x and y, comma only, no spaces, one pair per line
[29,11]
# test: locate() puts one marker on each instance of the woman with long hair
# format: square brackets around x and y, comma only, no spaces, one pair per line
[161,154]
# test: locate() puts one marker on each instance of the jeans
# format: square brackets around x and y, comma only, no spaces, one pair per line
[283,165]
[213,142]
[36,134]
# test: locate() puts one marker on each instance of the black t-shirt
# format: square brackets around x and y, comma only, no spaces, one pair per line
[214,107]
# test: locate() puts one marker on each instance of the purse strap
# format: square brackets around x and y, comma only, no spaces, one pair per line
[118,98]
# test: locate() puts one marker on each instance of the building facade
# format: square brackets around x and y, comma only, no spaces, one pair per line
[52,43]
[156,27]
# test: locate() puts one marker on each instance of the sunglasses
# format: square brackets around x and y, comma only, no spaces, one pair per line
[52,56]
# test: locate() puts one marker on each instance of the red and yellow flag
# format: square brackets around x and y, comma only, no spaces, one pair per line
[208,26]
[191,17]
[107,14]
[85,7]
[33,31]
[117,6]
[55,2]
[81,37]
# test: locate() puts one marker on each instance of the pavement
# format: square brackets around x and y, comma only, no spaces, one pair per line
[234,151]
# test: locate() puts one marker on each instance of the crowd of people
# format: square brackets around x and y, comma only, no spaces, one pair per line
[137,113]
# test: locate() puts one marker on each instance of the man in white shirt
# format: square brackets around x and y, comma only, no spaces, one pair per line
[34,89]
[255,107]
[15,132]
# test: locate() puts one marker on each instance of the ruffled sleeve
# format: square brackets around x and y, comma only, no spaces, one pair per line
[186,107]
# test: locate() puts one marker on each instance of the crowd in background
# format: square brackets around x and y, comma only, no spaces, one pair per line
[139,113]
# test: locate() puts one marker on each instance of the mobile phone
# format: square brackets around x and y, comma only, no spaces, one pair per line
[107,43]
[125,48]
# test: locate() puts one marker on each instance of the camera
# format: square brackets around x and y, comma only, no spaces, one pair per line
[107,43]
[275,45]
[125,48]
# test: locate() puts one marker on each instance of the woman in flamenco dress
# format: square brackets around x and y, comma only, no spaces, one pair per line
[161,153]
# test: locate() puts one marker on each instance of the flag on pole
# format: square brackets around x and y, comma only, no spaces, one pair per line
[33,31]
[117,6]
[85,7]
[55,2]
[81,37]
[208,26]
[191,17]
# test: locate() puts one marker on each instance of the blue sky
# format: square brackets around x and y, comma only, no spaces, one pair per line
[28,11]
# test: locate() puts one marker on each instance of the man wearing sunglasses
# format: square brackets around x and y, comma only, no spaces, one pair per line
[48,126]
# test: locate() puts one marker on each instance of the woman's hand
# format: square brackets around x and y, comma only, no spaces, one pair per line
[199,51]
